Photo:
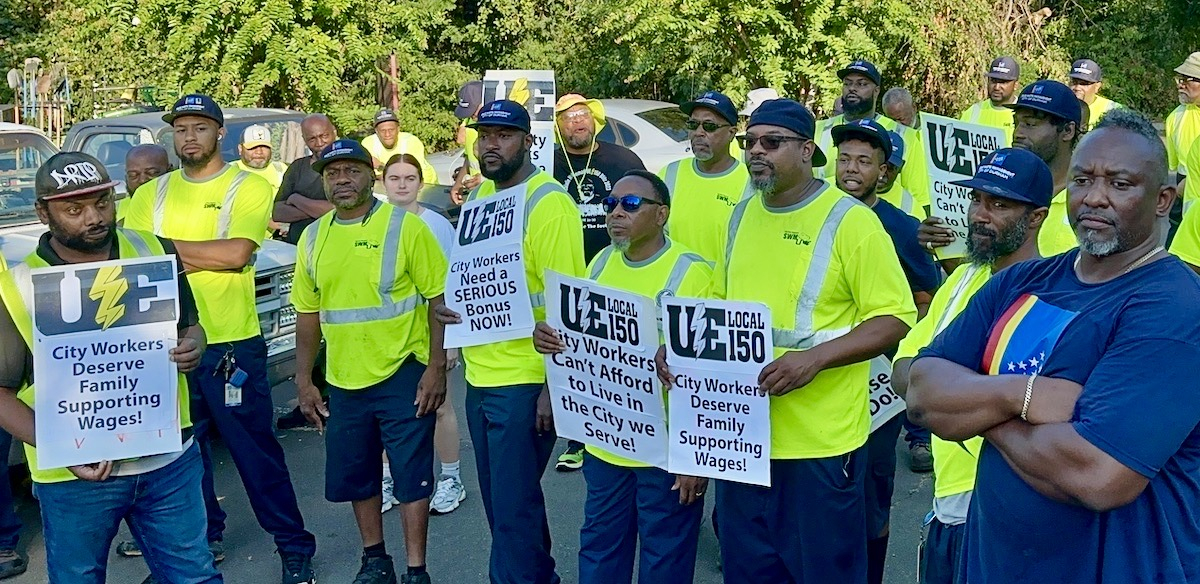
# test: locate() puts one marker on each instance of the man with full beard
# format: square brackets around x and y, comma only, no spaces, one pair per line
[860,92]
[508,406]
[217,216]
[706,187]
[1009,201]
[587,167]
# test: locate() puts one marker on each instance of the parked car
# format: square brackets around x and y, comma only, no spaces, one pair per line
[108,139]
[655,130]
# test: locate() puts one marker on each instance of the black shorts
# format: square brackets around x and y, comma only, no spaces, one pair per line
[941,554]
[881,474]
[363,423]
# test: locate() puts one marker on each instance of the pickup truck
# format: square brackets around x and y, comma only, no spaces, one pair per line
[24,148]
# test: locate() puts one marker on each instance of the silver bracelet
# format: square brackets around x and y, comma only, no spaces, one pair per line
[1028,396]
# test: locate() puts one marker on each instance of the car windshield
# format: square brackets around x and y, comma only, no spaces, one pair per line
[670,120]
[21,153]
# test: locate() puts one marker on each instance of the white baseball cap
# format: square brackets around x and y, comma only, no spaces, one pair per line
[255,136]
[756,97]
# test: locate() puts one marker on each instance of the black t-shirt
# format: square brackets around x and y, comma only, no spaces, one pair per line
[16,361]
[301,179]
[590,178]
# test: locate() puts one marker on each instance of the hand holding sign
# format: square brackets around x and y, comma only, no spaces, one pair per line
[953,150]
[546,340]
[931,235]
[792,370]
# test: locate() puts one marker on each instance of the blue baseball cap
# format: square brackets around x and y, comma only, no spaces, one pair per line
[791,115]
[195,104]
[864,129]
[1051,97]
[502,112]
[1085,70]
[862,67]
[342,150]
[1013,173]
[896,158]
[715,101]
[1004,69]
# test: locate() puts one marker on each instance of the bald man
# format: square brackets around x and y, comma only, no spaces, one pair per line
[301,196]
[142,163]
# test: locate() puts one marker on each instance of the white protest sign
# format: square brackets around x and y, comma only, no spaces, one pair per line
[603,387]
[486,283]
[106,388]
[885,402]
[720,424]
[535,90]
[953,150]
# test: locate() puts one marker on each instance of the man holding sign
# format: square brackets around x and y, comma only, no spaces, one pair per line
[159,494]
[382,393]
[1010,195]
[508,406]
[624,492]
[827,270]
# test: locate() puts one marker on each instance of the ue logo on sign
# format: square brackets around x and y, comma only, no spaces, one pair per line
[91,299]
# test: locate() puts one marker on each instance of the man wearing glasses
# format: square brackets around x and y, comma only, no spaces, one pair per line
[707,186]
[828,271]
[587,168]
[1085,81]
[860,92]
[622,493]
[1183,123]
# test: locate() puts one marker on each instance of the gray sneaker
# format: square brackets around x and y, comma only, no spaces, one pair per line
[920,458]
[449,495]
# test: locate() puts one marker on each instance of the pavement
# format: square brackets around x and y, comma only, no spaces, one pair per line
[458,542]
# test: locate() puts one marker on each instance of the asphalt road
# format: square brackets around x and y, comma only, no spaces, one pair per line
[458,543]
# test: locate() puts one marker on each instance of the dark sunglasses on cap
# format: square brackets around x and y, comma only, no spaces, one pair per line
[631,203]
[769,142]
[708,126]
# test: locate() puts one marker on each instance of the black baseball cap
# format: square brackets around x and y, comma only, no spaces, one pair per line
[865,129]
[1085,70]
[1013,173]
[862,67]
[1051,97]
[792,115]
[470,97]
[385,115]
[1004,69]
[342,150]
[715,101]
[71,174]
[195,104]
[502,112]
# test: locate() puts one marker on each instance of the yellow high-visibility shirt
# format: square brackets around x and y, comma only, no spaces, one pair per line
[673,270]
[553,240]
[405,144]
[701,204]
[1182,128]
[1056,235]
[273,172]
[833,249]
[232,204]
[984,113]
[953,462]
[1098,108]
[369,281]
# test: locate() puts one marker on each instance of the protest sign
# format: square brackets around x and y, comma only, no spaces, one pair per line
[885,402]
[486,283]
[603,387]
[953,150]
[106,388]
[534,90]
[720,424]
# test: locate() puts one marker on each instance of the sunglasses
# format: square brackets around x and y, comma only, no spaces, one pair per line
[1182,79]
[631,203]
[710,127]
[769,142]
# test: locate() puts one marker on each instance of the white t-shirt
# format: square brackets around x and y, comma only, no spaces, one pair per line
[441,228]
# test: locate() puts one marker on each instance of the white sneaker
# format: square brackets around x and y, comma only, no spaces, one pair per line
[389,500]
[449,495]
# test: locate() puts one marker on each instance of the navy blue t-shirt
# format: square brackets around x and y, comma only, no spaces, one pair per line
[1134,345]
[918,266]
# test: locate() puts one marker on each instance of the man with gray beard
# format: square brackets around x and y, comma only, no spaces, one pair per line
[1010,195]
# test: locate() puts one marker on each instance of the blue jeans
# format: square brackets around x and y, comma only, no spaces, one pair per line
[10,524]
[165,512]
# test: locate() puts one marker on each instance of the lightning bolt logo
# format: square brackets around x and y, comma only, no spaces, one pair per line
[108,289]
[699,326]
[520,91]
[581,304]
[950,146]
